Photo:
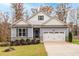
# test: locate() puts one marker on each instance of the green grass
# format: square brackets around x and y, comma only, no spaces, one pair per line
[27,50]
[75,41]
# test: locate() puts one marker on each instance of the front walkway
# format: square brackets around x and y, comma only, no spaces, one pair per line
[61,49]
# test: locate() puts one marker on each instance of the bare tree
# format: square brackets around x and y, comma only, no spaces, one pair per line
[34,10]
[17,11]
[62,10]
[46,9]
[4,28]
[77,21]
[26,15]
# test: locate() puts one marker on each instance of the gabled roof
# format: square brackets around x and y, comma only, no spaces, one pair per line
[51,21]
[37,13]
[27,21]
[20,22]
[54,21]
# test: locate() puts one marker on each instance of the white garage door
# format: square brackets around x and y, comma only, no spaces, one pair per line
[56,36]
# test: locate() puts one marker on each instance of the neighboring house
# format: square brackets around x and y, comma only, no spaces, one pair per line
[40,26]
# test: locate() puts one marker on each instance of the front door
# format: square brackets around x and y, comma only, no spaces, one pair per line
[36,32]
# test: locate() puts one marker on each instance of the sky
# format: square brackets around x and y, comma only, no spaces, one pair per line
[6,7]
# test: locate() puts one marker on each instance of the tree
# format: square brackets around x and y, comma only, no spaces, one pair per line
[77,19]
[62,10]
[70,37]
[18,11]
[26,15]
[73,16]
[4,27]
[34,10]
[46,9]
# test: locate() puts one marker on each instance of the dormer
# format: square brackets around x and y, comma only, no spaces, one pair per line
[39,18]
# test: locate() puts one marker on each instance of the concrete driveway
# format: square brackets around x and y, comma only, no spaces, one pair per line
[61,49]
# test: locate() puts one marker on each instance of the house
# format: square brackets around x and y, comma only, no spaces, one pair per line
[40,26]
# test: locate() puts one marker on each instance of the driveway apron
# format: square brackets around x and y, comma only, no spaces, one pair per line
[61,49]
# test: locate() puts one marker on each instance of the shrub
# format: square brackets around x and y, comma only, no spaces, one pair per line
[17,42]
[12,43]
[22,42]
[33,41]
[70,37]
[28,41]
[37,41]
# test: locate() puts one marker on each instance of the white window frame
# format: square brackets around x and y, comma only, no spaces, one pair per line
[26,32]
[39,17]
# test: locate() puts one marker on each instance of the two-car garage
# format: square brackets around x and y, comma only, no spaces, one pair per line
[53,36]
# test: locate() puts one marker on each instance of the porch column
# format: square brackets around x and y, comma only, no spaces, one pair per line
[30,33]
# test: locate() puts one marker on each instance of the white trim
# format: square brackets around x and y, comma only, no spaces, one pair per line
[26,32]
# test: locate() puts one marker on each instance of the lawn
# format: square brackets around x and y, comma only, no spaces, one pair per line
[27,50]
[75,41]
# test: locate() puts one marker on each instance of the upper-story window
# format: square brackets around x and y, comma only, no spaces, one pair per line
[40,17]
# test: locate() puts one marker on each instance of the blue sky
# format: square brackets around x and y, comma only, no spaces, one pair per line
[6,7]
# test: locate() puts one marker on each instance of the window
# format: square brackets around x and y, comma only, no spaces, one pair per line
[22,32]
[41,17]
[61,32]
[45,32]
[50,32]
[56,32]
